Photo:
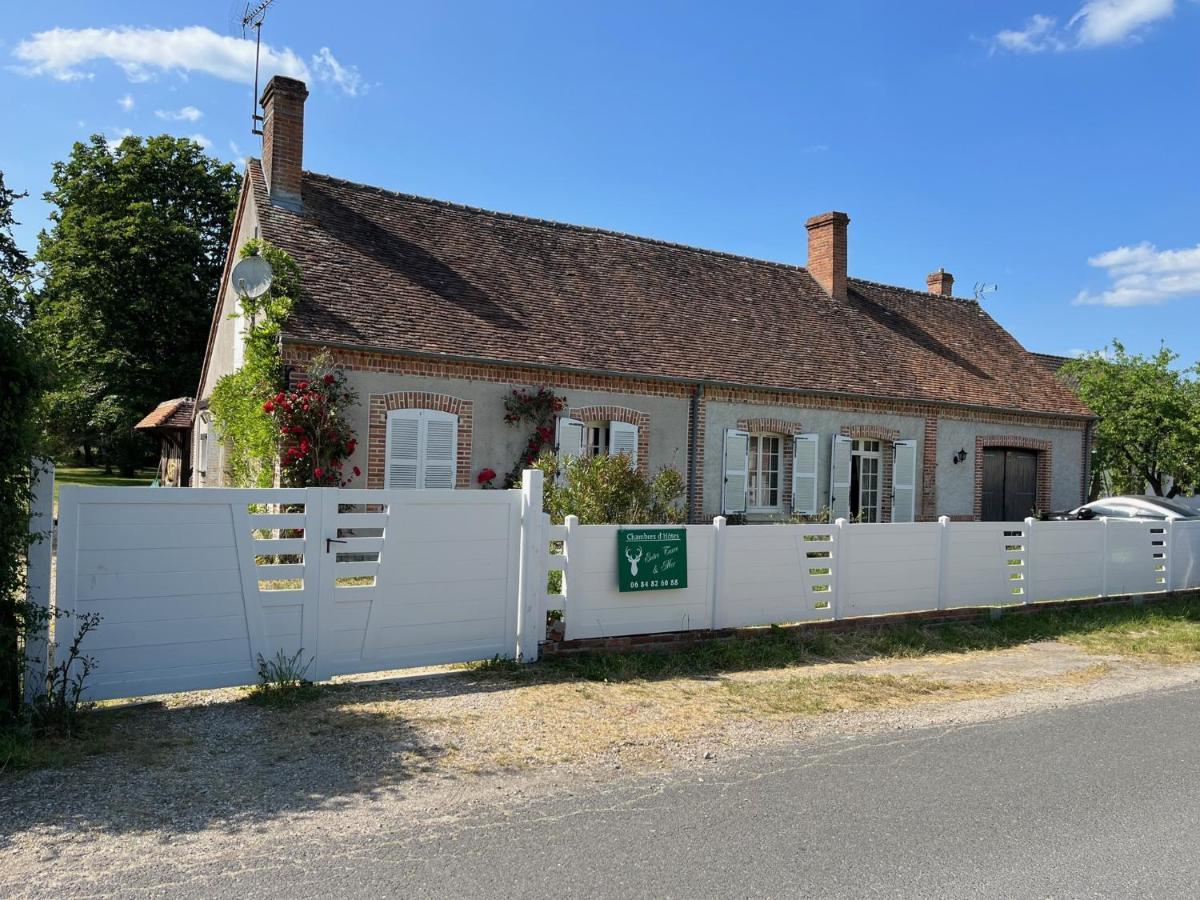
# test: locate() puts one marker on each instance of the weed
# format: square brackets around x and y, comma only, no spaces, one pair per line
[282,681]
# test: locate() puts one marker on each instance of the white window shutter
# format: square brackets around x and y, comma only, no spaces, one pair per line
[736,469]
[570,439]
[403,457]
[804,474]
[839,477]
[904,481]
[440,449]
[623,438]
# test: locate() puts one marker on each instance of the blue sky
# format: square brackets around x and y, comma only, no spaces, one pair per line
[1048,146]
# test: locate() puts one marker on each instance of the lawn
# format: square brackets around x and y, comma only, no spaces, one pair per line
[95,477]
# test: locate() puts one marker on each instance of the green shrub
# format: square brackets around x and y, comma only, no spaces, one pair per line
[609,490]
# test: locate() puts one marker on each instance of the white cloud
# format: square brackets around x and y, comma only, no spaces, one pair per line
[141,53]
[1095,24]
[1145,276]
[186,114]
[328,69]
[114,139]
[126,102]
[200,139]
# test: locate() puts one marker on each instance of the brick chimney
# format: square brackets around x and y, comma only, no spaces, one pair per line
[827,251]
[283,139]
[940,282]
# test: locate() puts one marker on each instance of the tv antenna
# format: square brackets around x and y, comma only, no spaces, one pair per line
[983,287]
[253,18]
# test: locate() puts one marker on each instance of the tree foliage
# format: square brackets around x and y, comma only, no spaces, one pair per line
[1149,412]
[250,435]
[609,490]
[131,265]
[20,383]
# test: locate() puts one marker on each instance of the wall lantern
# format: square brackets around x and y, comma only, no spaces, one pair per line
[960,456]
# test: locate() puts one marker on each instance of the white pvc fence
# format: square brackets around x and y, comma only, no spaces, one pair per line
[761,574]
[192,586]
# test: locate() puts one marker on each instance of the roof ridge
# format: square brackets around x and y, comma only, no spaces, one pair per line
[568,226]
[924,295]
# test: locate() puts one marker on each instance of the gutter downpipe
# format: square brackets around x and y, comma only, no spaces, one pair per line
[693,450]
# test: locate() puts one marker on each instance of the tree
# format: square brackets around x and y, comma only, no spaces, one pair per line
[131,265]
[1149,412]
[20,380]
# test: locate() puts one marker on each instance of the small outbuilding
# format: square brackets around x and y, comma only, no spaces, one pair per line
[171,423]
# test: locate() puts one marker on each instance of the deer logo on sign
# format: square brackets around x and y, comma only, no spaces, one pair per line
[633,560]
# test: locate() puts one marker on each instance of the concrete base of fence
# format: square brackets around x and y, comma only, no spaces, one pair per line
[679,640]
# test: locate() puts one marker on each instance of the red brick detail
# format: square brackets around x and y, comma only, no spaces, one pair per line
[697,436]
[1015,442]
[379,405]
[770,426]
[827,251]
[620,414]
[928,509]
[283,137]
[886,436]
[1085,474]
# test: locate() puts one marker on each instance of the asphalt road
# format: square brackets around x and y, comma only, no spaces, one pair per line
[1099,800]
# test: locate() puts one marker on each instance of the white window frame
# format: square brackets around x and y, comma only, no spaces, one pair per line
[857,455]
[754,473]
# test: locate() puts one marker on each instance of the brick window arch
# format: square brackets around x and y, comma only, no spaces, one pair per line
[620,414]
[379,405]
[1043,449]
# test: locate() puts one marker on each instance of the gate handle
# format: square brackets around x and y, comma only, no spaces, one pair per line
[329,541]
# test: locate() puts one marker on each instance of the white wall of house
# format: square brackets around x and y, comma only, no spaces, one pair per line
[496,444]
[956,483]
[825,422]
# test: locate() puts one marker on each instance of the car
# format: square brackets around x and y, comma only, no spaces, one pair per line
[1128,507]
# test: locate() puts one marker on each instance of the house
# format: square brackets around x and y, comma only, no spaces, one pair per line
[774,389]
[171,423]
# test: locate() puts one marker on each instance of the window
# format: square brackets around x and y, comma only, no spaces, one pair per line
[596,442]
[422,449]
[866,463]
[763,484]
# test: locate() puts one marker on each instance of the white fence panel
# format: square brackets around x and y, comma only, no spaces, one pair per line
[1066,560]
[889,568]
[985,564]
[422,577]
[595,608]
[1183,557]
[776,573]
[186,592]
[1135,557]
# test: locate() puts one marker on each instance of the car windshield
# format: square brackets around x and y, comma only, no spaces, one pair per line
[1178,508]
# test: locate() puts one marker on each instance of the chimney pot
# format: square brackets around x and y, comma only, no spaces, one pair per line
[940,282]
[827,252]
[283,139]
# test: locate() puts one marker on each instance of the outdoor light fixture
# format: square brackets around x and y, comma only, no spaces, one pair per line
[960,456]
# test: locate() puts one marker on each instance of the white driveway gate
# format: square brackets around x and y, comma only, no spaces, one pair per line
[193,585]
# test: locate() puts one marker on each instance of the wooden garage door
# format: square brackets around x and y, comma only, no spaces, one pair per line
[1009,484]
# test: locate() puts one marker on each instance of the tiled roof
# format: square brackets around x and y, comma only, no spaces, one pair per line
[397,272]
[170,414]
[1050,361]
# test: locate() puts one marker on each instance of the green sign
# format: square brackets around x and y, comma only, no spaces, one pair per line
[651,559]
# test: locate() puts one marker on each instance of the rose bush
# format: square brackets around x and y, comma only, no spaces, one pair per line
[315,437]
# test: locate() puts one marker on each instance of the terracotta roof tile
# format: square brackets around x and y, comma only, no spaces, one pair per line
[170,414]
[399,272]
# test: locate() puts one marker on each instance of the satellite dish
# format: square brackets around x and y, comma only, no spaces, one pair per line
[251,277]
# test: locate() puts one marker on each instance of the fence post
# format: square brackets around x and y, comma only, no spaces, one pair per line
[1104,557]
[572,554]
[535,545]
[716,570]
[37,576]
[1030,569]
[943,543]
[839,551]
